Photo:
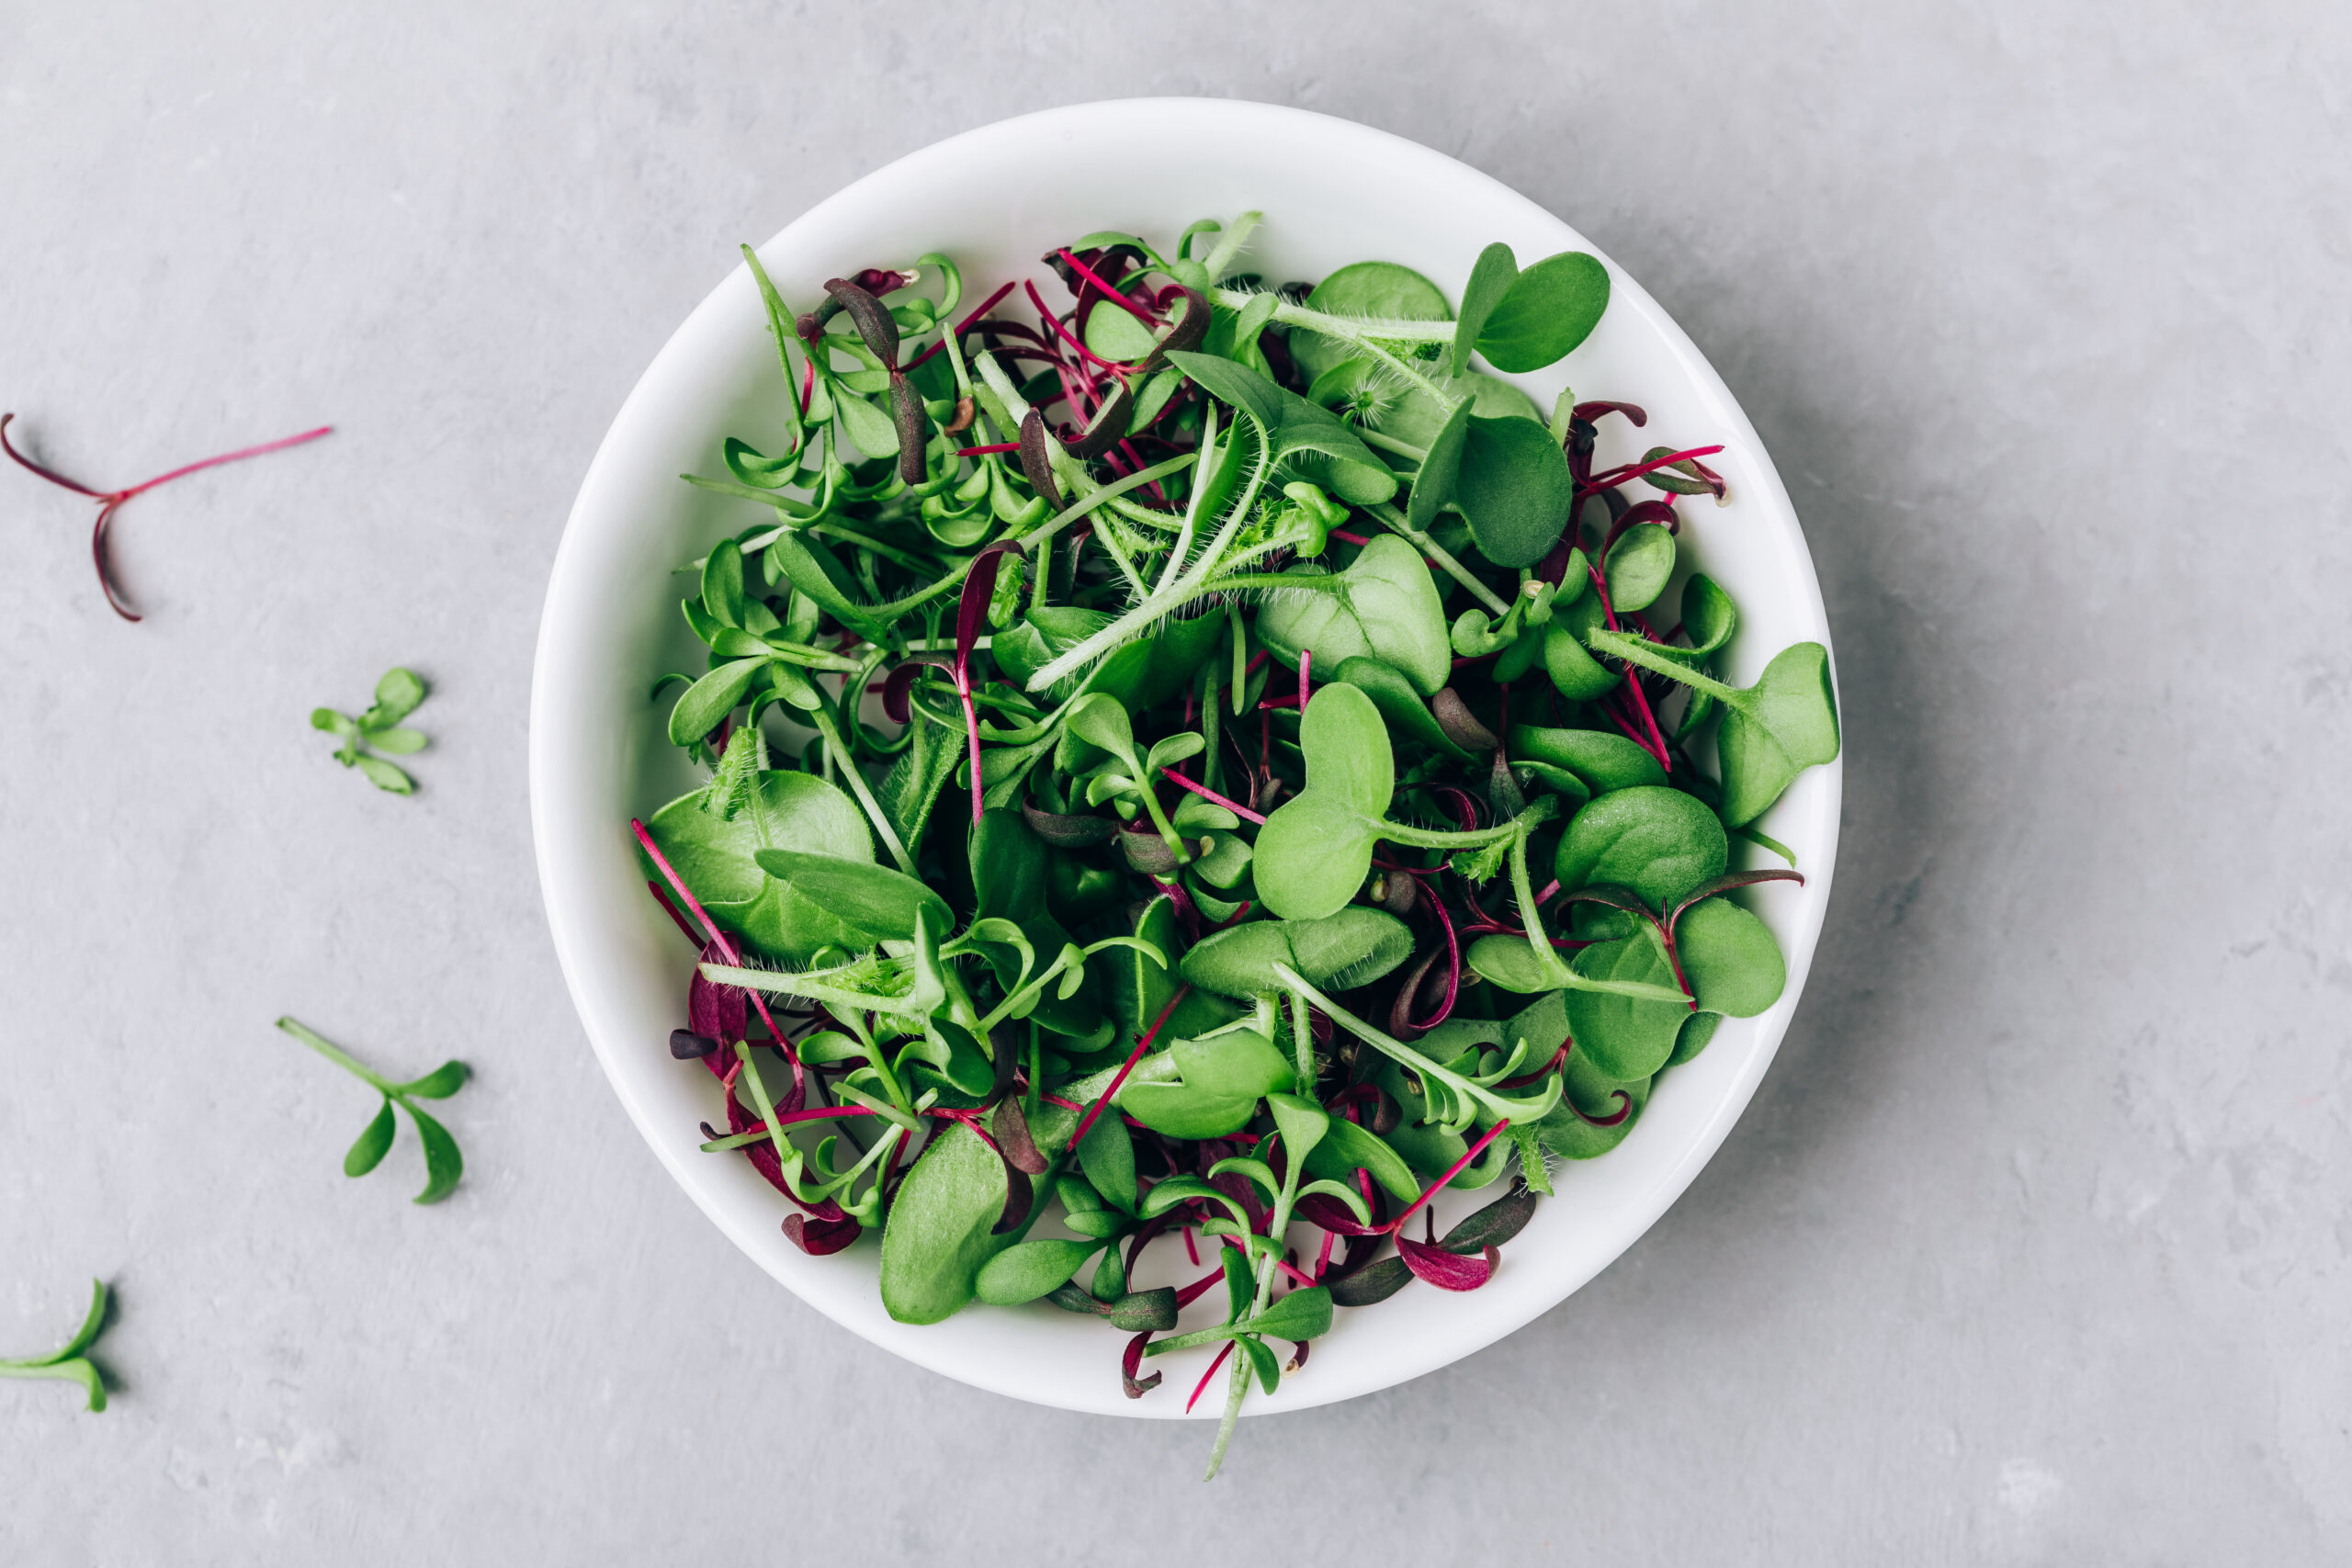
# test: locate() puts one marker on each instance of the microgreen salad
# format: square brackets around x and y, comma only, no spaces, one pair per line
[1248,656]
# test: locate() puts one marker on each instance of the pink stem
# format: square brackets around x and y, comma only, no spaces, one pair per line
[1616,477]
[1087,1122]
[1064,332]
[1207,794]
[720,939]
[279,446]
[1108,292]
[985,451]
[961,327]
[1454,1170]
[1204,1383]
[1305,659]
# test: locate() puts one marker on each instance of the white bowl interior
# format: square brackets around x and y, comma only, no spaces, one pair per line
[1332,192]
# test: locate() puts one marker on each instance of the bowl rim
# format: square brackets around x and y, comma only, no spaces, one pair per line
[564,825]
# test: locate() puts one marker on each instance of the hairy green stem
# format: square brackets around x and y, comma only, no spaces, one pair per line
[1394,522]
[836,747]
[1633,650]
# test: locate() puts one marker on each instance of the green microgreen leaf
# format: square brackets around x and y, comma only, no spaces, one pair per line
[397,696]
[373,1144]
[67,1363]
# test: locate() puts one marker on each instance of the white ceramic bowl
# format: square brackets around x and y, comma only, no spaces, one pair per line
[1332,192]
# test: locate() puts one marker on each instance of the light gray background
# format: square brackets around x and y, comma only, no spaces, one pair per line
[2034,1246]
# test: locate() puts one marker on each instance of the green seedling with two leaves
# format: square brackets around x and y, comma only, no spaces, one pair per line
[444,1164]
[378,729]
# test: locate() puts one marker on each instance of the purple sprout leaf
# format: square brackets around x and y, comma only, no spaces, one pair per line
[1013,1139]
[1131,1362]
[1447,1271]
[1369,1285]
[818,1238]
[1492,1226]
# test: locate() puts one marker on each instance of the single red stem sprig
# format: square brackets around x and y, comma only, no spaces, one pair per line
[109,499]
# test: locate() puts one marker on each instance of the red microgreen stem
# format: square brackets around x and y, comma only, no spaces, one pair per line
[986,451]
[1209,795]
[1063,332]
[1452,1171]
[1109,293]
[720,939]
[1086,1122]
[1199,1387]
[962,327]
[1631,471]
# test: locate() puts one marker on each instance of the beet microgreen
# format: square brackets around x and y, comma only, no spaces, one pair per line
[110,502]
[1252,626]
[69,1362]
[378,729]
[443,1165]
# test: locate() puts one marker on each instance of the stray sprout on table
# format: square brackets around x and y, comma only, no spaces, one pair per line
[378,729]
[1249,653]
[110,500]
[443,1165]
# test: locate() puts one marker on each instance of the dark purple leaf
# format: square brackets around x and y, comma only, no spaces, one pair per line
[1322,1208]
[1068,833]
[715,1012]
[1461,726]
[1364,1287]
[1131,1363]
[1105,429]
[1184,335]
[1726,884]
[873,321]
[972,609]
[1400,894]
[1035,464]
[1591,412]
[818,1238]
[1494,1224]
[906,412]
[1018,1196]
[895,689]
[1146,851]
[1013,1140]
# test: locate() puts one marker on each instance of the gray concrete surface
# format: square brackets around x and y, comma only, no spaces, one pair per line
[2033,1247]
